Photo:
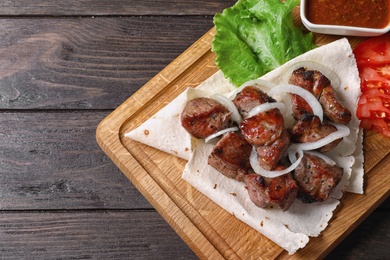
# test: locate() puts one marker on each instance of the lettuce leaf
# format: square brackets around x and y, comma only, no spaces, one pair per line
[256,36]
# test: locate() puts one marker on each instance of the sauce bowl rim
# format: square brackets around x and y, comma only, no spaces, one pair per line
[339,29]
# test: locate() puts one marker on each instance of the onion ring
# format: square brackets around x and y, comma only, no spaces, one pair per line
[272,174]
[305,94]
[230,105]
[223,131]
[292,156]
[342,131]
[265,107]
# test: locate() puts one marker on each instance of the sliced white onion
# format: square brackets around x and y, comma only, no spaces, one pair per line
[342,131]
[267,106]
[305,94]
[272,174]
[223,131]
[322,156]
[230,105]
[312,65]
[292,155]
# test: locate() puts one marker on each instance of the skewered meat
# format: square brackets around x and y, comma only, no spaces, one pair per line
[230,156]
[310,129]
[202,117]
[249,98]
[270,155]
[316,178]
[263,128]
[320,86]
[279,191]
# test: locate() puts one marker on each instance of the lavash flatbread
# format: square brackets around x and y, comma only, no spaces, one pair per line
[291,229]
[163,130]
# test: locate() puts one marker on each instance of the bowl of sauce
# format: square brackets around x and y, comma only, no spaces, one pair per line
[346,17]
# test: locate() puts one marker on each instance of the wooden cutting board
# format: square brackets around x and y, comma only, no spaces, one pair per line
[210,231]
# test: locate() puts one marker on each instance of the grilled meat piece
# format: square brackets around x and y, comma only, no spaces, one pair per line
[263,128]
[300,107]
[311,80]
[230,156]
[202,117]
[310,129]
[279,191]
[333,109]
[320,86]
[249,98]
[270,155]
[315,178]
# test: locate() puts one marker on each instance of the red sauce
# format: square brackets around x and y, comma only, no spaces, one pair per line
[360,13]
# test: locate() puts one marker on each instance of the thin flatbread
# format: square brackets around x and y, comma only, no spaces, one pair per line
[291,229]
[163,130]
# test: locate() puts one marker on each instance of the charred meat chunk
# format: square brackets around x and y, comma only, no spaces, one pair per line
[311,80]
[263,128]
[320,86]
[310,129]
[230,156]
[270,155]
[264,192]
[315,178]
[249,98]
[300,107]
[202,117]
[333,109]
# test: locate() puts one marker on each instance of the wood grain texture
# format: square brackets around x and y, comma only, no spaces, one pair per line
[112,7]
[85,63]
[88,235]
[50,161]
[163,172]
[64,66]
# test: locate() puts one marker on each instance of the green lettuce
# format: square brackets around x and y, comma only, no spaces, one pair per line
[256,36]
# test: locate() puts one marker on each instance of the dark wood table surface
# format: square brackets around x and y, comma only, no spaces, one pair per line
[64,66]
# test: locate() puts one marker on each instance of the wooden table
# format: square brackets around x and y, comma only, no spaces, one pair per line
[64,66]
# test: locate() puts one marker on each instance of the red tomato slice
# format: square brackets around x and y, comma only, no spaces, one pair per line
[374,104]
[374,51]
[384,71]
[373,60]
[374,78]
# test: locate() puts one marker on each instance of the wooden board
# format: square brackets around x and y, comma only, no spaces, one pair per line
[209,230]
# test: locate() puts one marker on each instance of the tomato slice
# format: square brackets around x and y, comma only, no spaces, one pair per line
[384,71]
[373,61]
[374,104]
[375,78]
[374,51]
